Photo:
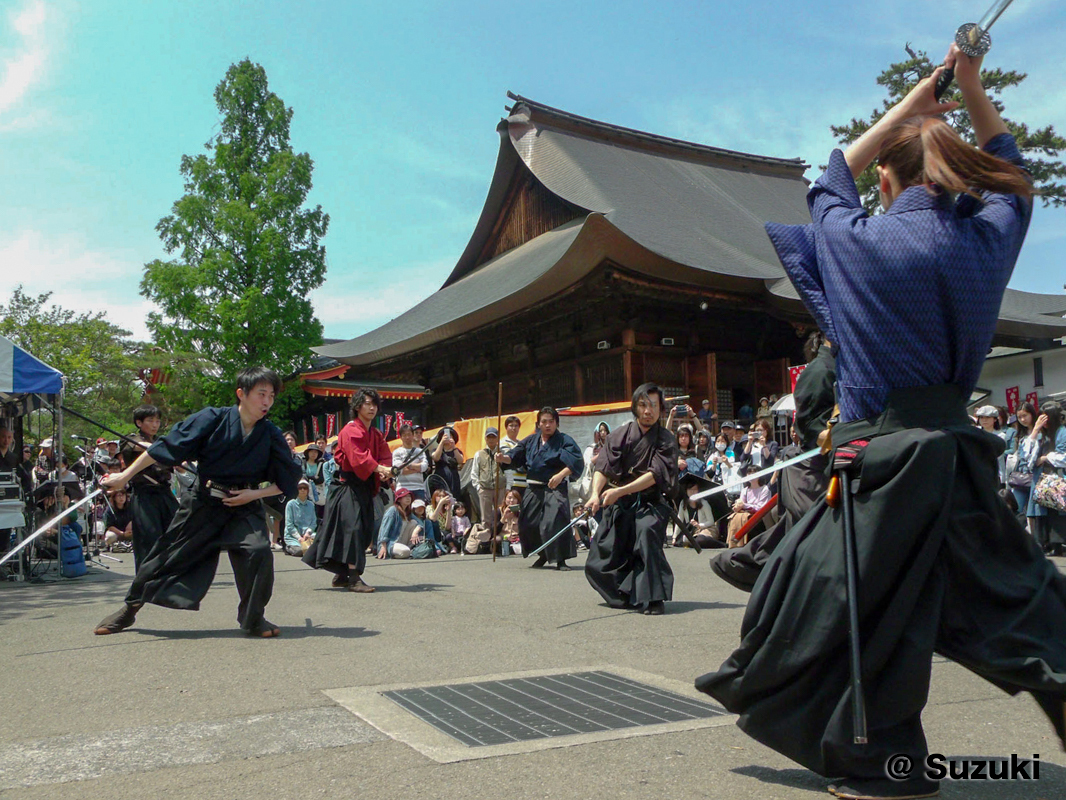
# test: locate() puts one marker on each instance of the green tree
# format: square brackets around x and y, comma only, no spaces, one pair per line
[97,358]
[247,250]
[1041,147]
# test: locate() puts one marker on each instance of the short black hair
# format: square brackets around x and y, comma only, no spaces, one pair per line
[550,411]
[288,434]
[644,392]
[360,397]
[511,419]
[147,411]
[250,377]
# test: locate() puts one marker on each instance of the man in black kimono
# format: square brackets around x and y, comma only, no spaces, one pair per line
[236,450]
[549,457]
[801,485]
[626,563]
[153,504]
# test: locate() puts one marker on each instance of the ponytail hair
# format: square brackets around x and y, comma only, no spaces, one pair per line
[926,150]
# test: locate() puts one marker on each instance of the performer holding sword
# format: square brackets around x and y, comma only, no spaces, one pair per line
[626,563]
[911,299]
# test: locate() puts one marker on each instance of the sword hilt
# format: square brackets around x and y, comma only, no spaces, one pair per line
[971,40]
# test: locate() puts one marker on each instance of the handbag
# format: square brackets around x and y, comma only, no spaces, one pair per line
[1020,480]
[424,549]
[1050,491]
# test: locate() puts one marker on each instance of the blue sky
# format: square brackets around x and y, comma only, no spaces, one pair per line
[397,104]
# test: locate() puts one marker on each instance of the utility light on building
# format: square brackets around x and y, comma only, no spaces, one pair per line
[603,345]
[666,341]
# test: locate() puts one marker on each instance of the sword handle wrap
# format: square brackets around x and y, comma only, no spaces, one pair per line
[943,82]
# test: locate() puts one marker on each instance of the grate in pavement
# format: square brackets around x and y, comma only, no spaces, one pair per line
[524,709]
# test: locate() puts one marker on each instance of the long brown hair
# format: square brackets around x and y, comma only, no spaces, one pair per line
[924,150]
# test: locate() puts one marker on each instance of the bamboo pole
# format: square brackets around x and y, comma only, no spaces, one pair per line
[496,468]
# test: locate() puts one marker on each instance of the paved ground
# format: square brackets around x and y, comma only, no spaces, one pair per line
[185,706]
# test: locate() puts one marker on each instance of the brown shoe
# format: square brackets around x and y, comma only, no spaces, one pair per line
[357,585]
[118,621]
[340,580]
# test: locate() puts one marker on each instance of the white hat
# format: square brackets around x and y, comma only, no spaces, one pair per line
[418,504]
[987,411]
[46,443]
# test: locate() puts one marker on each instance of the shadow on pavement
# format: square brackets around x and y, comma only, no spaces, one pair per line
[407,587]
[287,632]
[796,778]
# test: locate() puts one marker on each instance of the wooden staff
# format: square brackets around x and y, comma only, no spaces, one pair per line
[496,467]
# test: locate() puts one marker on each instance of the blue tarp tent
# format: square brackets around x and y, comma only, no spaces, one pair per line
[21,373]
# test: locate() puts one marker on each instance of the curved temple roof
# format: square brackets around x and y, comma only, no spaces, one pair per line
[669,209]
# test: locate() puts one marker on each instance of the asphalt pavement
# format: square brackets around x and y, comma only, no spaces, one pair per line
[185,706]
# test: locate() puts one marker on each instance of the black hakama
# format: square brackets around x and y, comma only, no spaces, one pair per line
[153,511]
[347,528]
[179,570]
[944,567]
[543,513]
[626,563]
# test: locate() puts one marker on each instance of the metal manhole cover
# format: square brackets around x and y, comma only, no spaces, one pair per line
[542,707]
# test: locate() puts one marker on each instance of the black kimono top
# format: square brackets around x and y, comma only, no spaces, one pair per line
[543,459]
[815,396]
[629,453]
[214,438]
[157,475]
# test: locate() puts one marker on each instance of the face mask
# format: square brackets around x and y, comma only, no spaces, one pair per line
[720,447]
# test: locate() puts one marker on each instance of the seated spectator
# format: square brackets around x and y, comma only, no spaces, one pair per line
[118,522]
[440,513]
[584,529]
[70,482]
[301,521]
[460,525]
[398,532]
[431,534]
[412,477]
[699,515]
[509,520]
[752,498]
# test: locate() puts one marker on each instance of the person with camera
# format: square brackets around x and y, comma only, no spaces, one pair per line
[447,460]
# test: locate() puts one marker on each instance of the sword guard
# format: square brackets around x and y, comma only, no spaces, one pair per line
[972,40]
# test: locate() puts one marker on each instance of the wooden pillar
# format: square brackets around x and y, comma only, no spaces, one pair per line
[579,384]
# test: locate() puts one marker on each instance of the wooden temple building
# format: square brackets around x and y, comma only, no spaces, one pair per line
[605,257]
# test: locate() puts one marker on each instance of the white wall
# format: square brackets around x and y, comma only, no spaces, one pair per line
[1001,373]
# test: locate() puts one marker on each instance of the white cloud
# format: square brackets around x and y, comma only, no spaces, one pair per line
[80,278]
[353,304]
[26,63]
